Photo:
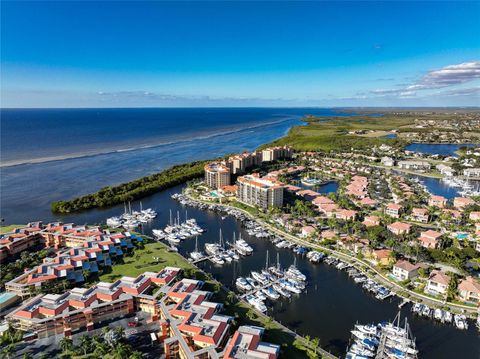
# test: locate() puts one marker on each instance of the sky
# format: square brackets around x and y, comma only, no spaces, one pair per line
[174,54]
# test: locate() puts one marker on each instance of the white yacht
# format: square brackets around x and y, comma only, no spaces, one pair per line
[242,284]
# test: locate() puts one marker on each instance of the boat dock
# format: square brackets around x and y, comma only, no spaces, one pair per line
[263,286]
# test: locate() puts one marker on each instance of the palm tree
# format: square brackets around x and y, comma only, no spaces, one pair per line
[120,332]
[8,351]
[66,344]
[27,355]
[85,343]
[231,297]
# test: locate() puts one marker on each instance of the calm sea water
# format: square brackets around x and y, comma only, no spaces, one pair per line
[99,147]
[444,149]
[332,304]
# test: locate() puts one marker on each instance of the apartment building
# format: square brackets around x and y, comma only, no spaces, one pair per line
[20,239]
[238,164]
[262,192]
[276,153]
[246,343]
[71,263]
[84,308]
[217,175]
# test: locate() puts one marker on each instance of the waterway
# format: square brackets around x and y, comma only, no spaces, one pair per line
[443,149]
[329,308]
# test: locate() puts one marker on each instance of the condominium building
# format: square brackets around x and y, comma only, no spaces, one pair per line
[262,192]
[83,308]
[217,175]
[276,153]
[415,165]
[71,263]
[240,163]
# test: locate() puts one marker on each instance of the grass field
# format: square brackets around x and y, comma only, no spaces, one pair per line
[6,229]
[332,133]
[152,258]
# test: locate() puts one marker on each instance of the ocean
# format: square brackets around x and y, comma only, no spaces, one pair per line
[54,154]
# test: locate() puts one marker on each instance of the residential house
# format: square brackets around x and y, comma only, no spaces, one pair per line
[393,210]
[371,221]
[462,202]
[403,270]
[469,290]
[382,257]
[430,239]
[399,228]
[474,216]
[420,215]
[437,201]
[437,283]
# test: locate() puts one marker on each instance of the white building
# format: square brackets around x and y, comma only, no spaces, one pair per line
[261,192]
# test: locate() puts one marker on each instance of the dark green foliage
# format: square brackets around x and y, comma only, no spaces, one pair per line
[130,191]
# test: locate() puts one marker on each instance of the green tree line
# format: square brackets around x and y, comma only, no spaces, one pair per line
[133,190]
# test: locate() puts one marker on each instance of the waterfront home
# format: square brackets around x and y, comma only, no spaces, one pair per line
[399,228]
[471,172]
[308,194]
[414,165]
[292,189]
[371,221]
[437,201]
[469,290]
[246,343]
[437,283]
[445,170]
[346,214]
[382,257]
[321,200]
[403,270]
[474,216]
[430,239]
[387,161]
[462,202]
[307,231]
[393,210]
[420,215]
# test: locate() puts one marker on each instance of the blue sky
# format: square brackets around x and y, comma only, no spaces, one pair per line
[122,54]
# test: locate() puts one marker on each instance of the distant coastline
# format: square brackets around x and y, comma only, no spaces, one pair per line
[92,153]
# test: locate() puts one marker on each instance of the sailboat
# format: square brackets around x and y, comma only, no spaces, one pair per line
[196,254]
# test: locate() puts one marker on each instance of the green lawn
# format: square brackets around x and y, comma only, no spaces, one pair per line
[6,229]
[143,260]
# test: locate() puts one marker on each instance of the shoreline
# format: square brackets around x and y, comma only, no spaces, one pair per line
[341,255]
[94,153]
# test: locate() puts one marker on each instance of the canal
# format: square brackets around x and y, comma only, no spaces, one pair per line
[332,303]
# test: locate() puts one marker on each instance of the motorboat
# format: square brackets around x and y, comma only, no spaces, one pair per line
[242,284]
